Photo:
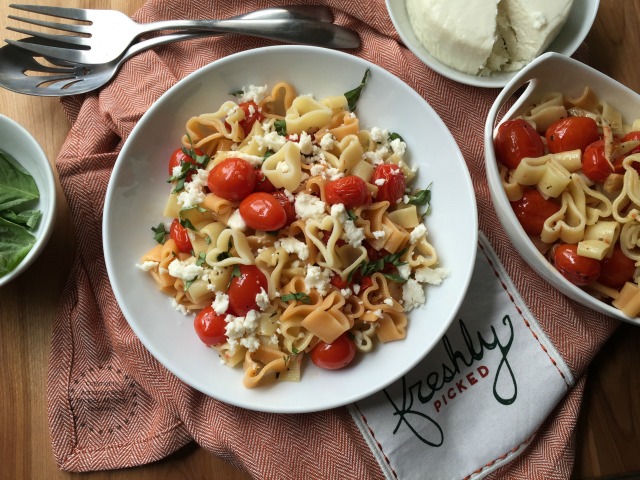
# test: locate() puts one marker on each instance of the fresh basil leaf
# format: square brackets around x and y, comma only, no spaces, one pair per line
[188,284]
[393,136]
[294,350]
[352,216]
[298,297]
[17,186]
[395,278]
[201,259]
[237,93]
[421,198]
[160,233]
[267,154]
[186,223]
[281,127]
[15,244]
[27,218]
[353,96]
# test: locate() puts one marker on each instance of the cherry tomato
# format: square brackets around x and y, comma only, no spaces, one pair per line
[515,140]
[263,211]
[571,133]
[338,282]
[332,356]
[210,327]
[263,184]
[287,204]
[365,282]
[577,269]
[594,165]
[351,191]
[180,235]
[244,288]
[632,136]
[232,179]
[394,184]
[533,209]
[617,269]
[178,157]
[251,115]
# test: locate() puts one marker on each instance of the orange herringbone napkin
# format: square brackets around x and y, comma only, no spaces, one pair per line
[112,405]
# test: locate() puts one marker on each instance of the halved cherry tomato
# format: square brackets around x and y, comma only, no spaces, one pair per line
[515,140]
[244,288]
[232,179]
[338,282]
[180,235]
[178,157]
[251,115]
[533,209]
[287,204]
[594,164]
[394,184]
[365,282]
[263,211]
[571,133]
[333,356]
[577,269]
[210,327]
[617,269]
[351,191]
[263,184]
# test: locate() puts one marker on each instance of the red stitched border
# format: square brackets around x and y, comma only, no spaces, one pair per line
[492,463]
[386,459]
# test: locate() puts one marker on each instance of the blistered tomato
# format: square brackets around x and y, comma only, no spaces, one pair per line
[594,164]
[391,183]
[232,179]
[263,211]
[180,235]
[332,356]
[577,269]
[351,191]
[287,204]
[515,140]
[617,269]
[571,133]
[178,157]
[210,327]
[533,209]
[244,288]
[263,184]
[252,115]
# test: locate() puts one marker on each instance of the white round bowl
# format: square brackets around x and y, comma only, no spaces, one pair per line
[138,190]
[575,30]
[550,72]
[20,144]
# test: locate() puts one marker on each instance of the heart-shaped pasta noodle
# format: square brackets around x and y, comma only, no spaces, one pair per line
[306,114]
[230,239]
[283,168]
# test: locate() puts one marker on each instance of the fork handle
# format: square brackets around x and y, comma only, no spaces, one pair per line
[307,32]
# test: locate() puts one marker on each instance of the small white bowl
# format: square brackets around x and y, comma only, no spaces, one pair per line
[558,73]
[20,144]
[575,30]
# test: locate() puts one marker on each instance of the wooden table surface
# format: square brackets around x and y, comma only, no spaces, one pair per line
[608,432]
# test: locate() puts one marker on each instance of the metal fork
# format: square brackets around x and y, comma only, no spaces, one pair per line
[111,32]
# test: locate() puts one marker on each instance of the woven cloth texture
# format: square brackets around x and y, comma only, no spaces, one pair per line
[112,405]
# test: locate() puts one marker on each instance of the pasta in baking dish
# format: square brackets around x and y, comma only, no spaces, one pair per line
[570,168]
[293,233]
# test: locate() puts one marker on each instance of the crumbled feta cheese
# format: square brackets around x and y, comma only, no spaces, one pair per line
[379,234]
[328,141]
[434,276]
[398,146]
[274,339]
[293,245]
[186,270]
[177,171]
[378,313]
[412,295]
[346,292]
[417,233]
[388,301]
[318,278]
[252,93]
[220,303]
[305,143]
[378,135]
[193,192]
[179,307]
[236,222]
[254,160]
[353,235]
[283,168]
[309,207]
[405,199]
[289,195]
[404,270]
[380,181]
[262,299]
[270,141]
[356,289]
[241,330]
[147,265]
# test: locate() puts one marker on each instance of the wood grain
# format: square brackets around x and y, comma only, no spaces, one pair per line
[608,433]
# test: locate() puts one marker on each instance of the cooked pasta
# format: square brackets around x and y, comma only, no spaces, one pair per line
[576,191]
[292,230]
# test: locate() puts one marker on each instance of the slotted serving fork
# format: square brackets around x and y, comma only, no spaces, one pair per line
[110,32]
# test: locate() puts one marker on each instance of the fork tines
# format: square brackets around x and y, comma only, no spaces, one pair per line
[60,12]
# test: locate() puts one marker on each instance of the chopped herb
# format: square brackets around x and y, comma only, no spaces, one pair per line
[235,272]
[186,223]
[395,278]
[298,297]
[294,350]
[201,259]
[281,127]
[207,239]
[237,93]
[160,233]
[352,216]
[422,198]
[267,154]
[188,283]
[394,135]
[354,95]
[366,269]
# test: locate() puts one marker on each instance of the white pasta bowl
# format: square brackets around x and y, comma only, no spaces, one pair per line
[20,144]
[138,190]
[573,33]
[550,72]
